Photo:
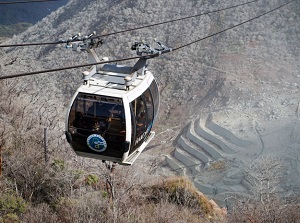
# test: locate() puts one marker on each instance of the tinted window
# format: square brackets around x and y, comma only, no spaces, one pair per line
[155,96]
[149,108]
[91,114]
[142,112]
[139,116]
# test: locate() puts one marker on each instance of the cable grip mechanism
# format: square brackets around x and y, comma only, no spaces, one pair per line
[78,43]
[145,50]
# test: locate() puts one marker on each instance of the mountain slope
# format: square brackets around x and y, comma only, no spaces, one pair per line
[27,12]
[249,74]
[203,68]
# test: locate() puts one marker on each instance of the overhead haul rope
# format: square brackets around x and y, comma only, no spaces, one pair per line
[132,29]
[33,1]
[232,27]
[137,57]
[176,20]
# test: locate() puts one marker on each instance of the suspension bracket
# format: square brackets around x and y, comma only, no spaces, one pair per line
[77,42]
[146,51]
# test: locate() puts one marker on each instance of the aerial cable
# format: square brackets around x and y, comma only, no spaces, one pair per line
[232,27]
[136,28]
[67,68]
[32,1]
[137,57]
[176,20]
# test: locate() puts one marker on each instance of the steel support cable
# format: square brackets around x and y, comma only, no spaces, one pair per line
[137,57]
[176,20]
[136,28]
[32,1]
[232,27]
[66,68]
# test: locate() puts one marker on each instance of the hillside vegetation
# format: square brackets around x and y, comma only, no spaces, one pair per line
[16,18]
[27,12]
[10,30]
[251,72]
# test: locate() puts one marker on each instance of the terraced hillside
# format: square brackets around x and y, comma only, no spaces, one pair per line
[226,167]
[209,154]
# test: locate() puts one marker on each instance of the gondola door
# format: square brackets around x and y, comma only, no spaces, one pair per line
[142,115]
[97,127]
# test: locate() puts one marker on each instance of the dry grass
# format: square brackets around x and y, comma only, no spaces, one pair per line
[180,191]
[218,165]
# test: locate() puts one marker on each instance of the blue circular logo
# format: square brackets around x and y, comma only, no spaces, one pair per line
[96,142]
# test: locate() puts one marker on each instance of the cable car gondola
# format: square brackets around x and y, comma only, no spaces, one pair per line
[111,115]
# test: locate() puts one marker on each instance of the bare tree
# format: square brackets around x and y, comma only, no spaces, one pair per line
[268,203]
[264,174]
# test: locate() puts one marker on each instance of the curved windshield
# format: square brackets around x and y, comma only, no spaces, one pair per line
[101,115]
[155,96]
[144,110]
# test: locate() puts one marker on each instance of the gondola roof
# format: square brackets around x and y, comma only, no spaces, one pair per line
[113,84]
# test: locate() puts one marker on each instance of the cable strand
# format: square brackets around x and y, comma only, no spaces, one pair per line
[136,28]
[232,27]
[176,20]
[66,68]
[137,57]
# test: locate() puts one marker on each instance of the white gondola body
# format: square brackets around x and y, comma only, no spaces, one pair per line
[127,105]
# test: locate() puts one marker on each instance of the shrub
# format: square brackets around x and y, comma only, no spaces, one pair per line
[10,203]
[39,213]
[10,218]
[92,180]
[180,191]
[259,212]
[36,181]
[58,164]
